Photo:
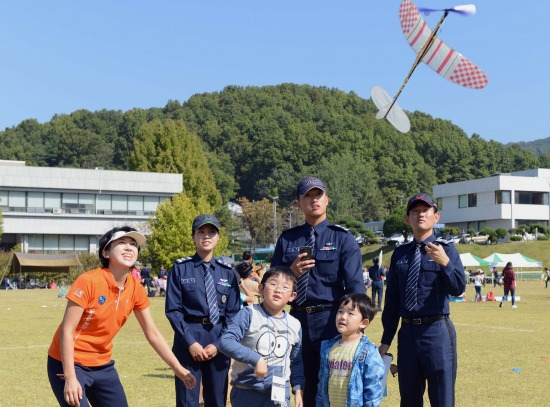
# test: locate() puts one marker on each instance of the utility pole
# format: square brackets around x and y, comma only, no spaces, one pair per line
[275,219]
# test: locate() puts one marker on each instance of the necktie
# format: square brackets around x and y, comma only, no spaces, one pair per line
[211,298]
[301,281]
[412,279]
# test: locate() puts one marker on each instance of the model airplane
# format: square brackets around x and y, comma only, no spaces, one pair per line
[435,53]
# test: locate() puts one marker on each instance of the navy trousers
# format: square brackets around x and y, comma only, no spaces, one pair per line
[427,353]
[100,385]
[212,373]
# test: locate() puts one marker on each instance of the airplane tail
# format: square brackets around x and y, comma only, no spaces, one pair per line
[389,109]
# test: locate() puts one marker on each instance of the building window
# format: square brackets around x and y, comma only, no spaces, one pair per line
[35,200]
[135,205]
[70,203]
[120,204]
[52,200]
[150,204]
[530,198]
[467,201]
[503,197]
[463,201]
[4,199]
[86,203]
[16,201]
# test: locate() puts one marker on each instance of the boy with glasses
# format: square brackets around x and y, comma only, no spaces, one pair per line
[265,344]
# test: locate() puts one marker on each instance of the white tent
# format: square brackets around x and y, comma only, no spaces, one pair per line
[469,260]
[518,260]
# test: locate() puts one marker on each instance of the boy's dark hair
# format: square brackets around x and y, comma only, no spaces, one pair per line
[280,270]
[247,255]
[362,302]
[244,269]
[106,237]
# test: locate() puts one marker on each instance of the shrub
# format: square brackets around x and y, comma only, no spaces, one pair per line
[515,238]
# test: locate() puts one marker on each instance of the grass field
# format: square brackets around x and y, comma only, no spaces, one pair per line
[492,341]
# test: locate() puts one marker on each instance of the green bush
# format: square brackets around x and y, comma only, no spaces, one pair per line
[515,238]
[543,237]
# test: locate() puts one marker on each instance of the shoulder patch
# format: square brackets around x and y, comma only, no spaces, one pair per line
[443,242]
[223,263]
[338,227]
[183,259]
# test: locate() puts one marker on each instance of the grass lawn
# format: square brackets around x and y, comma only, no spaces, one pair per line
[492,341]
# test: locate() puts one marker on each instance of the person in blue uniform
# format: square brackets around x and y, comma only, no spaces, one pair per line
[332,270]
[202,295]
[375,274]
[422,274]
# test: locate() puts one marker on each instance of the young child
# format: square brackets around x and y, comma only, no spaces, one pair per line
[351,369]
[266,345]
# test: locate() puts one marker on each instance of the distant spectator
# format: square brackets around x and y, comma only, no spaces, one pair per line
[162,272]
[547,275]
[509,277]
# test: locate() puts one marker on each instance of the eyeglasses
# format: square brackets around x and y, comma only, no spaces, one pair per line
[274,286]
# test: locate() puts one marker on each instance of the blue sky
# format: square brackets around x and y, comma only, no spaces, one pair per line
[64,55]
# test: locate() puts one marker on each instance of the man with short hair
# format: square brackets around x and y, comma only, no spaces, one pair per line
[422,275]
[326,261]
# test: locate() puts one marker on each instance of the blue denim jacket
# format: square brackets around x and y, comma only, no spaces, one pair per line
[365,384]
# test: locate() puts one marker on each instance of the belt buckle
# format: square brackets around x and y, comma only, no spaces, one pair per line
[310,310]
[417,321]
[206,321]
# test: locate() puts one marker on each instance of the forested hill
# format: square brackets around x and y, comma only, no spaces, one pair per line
[258,141]
[538,147]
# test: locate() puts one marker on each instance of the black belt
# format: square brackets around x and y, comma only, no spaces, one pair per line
[201,320]
[423,320]
[312,309]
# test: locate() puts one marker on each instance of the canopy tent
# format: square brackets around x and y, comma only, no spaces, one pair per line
[469,260]
[518,260]
[40,263]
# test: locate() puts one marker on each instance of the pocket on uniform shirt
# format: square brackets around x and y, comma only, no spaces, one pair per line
[188,286]
[429,272]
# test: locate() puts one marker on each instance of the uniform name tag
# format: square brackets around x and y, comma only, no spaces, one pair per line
[187,280]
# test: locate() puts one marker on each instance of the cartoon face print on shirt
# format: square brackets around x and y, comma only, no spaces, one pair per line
[272,344]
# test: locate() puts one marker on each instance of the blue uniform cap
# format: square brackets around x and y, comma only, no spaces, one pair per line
[205,219]
[424,198]
[308,183]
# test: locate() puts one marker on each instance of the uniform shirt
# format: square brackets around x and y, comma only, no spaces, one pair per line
[186,294]
[106,309]
[376,272]
[435,283]
[337,257]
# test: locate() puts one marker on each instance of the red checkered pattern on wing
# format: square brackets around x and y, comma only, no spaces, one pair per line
[469,75]
[408,15]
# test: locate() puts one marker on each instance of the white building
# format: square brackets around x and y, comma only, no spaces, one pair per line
[500,201]
[52,210]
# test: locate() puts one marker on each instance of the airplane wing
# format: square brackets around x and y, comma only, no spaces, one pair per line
[440,57]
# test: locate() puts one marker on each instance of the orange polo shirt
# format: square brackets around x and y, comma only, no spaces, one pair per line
[106,309]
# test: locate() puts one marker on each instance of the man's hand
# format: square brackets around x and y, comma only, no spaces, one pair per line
[437,254]
[300,266]
[383,349]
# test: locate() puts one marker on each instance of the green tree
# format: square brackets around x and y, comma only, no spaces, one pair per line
[257,218]
[395,223]
[171,230]
[170,147]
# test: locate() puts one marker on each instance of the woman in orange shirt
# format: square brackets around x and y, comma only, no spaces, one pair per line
[100,301]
